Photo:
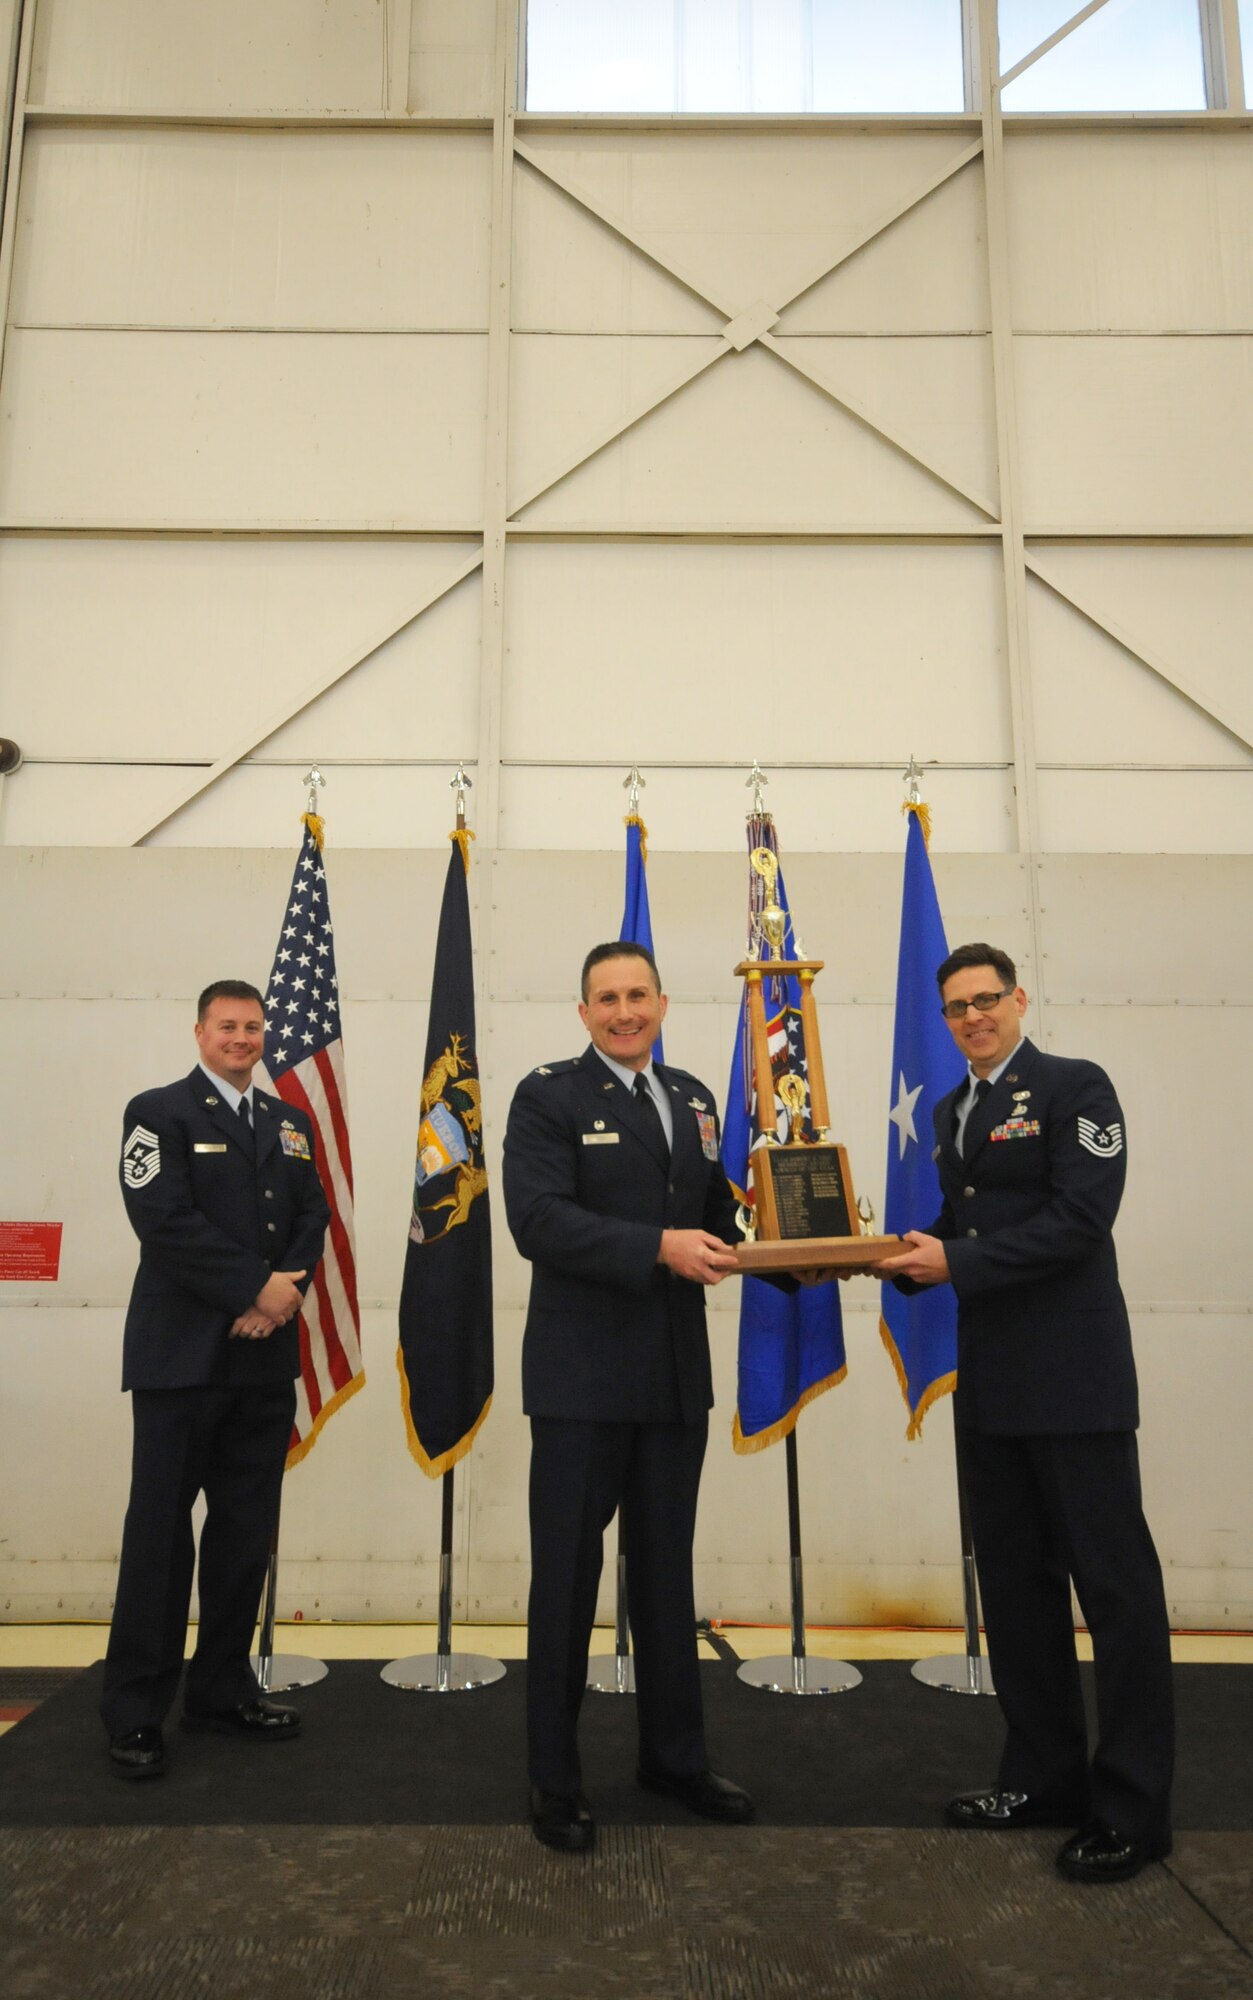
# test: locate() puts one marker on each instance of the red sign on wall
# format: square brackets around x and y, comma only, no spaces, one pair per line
[30,1252]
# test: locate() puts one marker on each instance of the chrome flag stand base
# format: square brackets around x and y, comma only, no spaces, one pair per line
[279,1673]
[955,1673]
[795,1672]
[443,1671]
[612,1675]
[616,1675]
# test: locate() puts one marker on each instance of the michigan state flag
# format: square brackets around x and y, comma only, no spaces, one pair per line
[919,1331]
[445,1354]
[791,1343]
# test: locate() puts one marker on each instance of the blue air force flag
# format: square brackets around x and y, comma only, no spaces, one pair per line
[637,926]
[920,1331]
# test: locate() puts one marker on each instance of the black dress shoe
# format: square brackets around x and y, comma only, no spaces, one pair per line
[704,1792]
[262,1721]
[138,1753]
[1101,1854]
[1000,1812]
[562,1820]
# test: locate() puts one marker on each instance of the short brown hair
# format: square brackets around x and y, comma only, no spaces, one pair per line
[227,989]
[623,948]
[977,954]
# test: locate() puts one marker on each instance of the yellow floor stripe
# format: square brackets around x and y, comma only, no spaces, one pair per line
[77,1645]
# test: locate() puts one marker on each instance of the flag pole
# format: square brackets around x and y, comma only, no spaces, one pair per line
[617,1675]
[968,1672]
[795,1672]
[445,1672]
[279,1673]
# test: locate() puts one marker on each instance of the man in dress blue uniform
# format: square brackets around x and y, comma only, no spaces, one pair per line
[615,1193]
[1031,1151]
[221,1187]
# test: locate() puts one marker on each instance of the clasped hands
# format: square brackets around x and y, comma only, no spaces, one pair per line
[279,1300]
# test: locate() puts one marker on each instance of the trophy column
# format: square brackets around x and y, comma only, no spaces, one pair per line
[812,1184]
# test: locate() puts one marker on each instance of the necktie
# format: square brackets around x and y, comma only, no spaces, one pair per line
[245,1120]
[982,1087]
[645,1098]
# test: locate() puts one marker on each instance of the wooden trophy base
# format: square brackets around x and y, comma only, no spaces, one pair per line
[816,1253]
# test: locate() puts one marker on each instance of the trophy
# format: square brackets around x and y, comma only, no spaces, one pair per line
[806,1215]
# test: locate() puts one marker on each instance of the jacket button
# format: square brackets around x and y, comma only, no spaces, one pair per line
[273,1227]
[969,1232]
[969,1193]
[269,1193]
[671,1184]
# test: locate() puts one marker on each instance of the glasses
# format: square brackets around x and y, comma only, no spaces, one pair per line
[956,1009]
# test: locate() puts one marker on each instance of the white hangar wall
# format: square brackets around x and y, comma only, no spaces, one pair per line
[348,414]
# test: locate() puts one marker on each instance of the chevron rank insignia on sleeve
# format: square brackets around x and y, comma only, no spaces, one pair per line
[1102,1141]
[141,1157]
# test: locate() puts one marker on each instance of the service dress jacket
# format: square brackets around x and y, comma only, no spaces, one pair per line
[215,1212]
[611,1334]
[1043,1337]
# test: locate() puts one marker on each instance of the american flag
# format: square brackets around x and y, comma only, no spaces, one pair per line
[304,1065]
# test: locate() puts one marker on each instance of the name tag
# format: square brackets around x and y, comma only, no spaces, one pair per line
[601,1138]
[209,1149]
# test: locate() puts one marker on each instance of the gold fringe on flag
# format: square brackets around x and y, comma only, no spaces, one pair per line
[633,819]
[943,1385]
[337,1401]
[317,827]
[434,1468]
[463,836]
[922,812]
[761,1439]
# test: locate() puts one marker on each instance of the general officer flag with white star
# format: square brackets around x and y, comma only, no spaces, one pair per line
[791,1343]
[919,1331]
[304,1065]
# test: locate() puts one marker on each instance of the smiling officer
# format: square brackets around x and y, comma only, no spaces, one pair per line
[615,1193]
[221,1187]
[1031,1152]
